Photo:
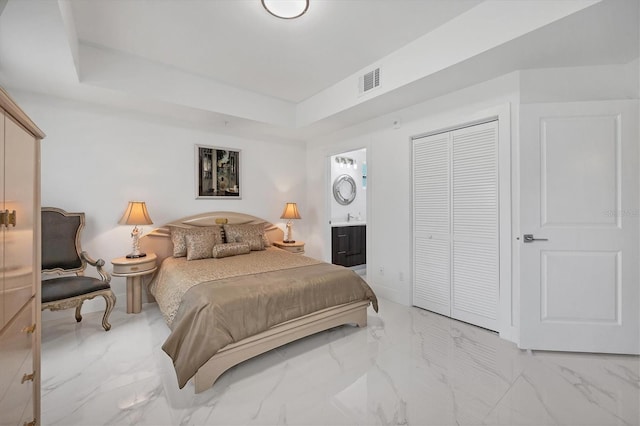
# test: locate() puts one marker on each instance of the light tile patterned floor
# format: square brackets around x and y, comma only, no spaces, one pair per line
[408,366]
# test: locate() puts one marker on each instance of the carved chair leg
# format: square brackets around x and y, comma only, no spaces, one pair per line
[110,300]
[78,309]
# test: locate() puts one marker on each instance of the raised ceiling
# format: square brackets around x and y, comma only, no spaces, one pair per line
[230,62]
[238,43]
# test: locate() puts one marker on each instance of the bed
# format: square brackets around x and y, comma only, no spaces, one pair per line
[229,308]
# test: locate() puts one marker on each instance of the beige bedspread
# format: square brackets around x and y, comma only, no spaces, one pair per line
[221,311]
[177,275]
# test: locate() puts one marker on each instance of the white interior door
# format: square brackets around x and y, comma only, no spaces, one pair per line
[580,193]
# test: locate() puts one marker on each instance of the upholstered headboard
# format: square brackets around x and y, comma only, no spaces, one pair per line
[158,241]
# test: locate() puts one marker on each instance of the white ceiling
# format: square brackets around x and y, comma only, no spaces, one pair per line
[240,44]
[230,62]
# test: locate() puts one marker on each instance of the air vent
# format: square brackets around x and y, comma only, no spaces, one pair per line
[369,81]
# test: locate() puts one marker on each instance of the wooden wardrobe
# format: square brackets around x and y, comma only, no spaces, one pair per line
[19,266]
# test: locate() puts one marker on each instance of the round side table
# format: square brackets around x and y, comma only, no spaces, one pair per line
[134,269]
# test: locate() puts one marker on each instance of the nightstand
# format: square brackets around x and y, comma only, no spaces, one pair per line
[134,269]
[297,247]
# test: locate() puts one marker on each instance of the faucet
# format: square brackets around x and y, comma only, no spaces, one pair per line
[349,217]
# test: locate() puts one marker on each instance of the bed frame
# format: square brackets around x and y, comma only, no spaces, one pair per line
[159,242]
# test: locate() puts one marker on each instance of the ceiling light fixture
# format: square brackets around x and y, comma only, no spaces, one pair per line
[286,9]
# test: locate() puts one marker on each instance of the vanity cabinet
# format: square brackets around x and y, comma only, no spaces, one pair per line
[349,245]
[19,266]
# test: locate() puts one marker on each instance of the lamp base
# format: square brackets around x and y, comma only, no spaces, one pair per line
[135,256]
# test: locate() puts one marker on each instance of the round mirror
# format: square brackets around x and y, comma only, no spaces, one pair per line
[344,189]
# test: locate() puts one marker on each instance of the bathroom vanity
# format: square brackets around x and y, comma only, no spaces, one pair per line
[349,244]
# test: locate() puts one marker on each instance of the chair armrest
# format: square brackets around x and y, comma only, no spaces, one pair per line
[98,264]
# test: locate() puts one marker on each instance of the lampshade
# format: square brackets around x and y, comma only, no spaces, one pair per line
[136,214]
[290,212]
[286,9]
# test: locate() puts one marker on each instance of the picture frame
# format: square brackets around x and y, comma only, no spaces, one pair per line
[217,172]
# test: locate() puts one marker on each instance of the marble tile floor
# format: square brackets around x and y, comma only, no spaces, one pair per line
[408,367]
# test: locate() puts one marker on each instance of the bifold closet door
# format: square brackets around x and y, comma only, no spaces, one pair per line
[432,223]
[474,199]
[455,222]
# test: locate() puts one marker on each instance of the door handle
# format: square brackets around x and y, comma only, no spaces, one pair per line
[528,238]
[11,218]
[29,329]
[26,377]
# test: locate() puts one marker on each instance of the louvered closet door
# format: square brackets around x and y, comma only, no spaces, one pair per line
[474,190]
[455,223]
[431,223]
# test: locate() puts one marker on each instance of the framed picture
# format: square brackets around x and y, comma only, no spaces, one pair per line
[217,172]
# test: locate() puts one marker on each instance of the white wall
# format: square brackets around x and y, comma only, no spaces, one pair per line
[593,83]
[389,236]
[96,159]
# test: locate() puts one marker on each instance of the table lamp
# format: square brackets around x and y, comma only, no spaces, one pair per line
[290,212]
[136,214]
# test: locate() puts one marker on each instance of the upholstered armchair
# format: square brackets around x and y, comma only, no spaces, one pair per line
[63,258]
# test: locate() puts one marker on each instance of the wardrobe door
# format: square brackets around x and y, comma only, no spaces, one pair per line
[431,223]
[19,181]
[19,265]
[474,200]
[3,318]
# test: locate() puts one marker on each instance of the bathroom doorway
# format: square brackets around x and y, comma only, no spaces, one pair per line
[348,209]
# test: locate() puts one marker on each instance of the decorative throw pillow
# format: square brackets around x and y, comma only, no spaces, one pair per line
[178,237]
[178,240]
[235,233]
[200,244]
[230,249]
[255,242]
